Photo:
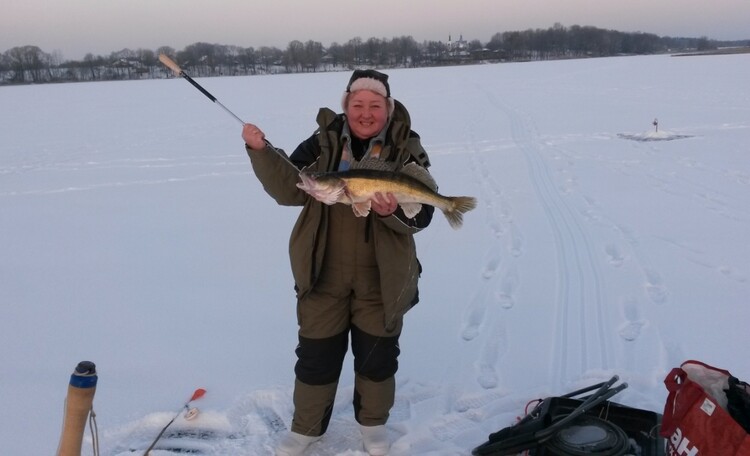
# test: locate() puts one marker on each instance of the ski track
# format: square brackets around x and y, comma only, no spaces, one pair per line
[587,336]
[586,241]
[627,249]
[581,319]
[580,302]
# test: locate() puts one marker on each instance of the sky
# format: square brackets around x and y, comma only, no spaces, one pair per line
[135,235]
[78,27]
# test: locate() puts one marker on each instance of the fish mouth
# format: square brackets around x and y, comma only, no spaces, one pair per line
[328,194]
[307,180]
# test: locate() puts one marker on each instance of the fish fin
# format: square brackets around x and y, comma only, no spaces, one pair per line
[411,209]
[329,198]
[421,174]
[459,205]
[374,163]
[362,209]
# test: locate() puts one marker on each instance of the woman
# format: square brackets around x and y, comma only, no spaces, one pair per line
[353,275]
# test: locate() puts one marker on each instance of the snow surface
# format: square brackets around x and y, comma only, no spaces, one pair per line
[135,235]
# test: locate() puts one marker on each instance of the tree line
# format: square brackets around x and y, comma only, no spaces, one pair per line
[31,65]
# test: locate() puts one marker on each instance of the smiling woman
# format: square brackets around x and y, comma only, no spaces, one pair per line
[367,103]
[367,113]
[355,272]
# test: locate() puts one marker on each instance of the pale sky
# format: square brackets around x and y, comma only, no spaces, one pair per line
[77,27]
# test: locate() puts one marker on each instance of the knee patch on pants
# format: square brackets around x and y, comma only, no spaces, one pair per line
[319,361]
[375,357]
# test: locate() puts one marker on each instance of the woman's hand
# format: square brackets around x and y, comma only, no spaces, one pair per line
[384,205]
[254,137]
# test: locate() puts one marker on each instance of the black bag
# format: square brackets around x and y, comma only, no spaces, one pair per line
[571,425]
[738,397]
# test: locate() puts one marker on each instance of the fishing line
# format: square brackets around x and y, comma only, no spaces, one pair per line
[172,65]
[94,432]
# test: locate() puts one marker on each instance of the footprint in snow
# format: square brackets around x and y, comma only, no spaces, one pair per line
[476,400]
[655,289]
[508,287]
[401,410]
[614,256]
[492,265]
[449,427]
[494,347]
[487,377]
[475,316]
[504,299]
[516,241]
[630,330]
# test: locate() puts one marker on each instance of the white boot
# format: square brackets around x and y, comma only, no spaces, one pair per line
[294,444]
[375,440]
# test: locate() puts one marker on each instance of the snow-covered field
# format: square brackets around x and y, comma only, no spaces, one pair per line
[135,235]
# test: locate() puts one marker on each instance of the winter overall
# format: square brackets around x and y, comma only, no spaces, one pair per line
[353,275]
[346,300]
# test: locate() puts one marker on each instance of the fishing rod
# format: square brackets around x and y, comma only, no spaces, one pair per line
[189,415]
[172,65]
[79,407]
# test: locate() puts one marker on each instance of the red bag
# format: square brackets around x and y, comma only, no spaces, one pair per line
[695,420]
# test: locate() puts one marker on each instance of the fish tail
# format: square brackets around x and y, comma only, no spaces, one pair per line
[456,208]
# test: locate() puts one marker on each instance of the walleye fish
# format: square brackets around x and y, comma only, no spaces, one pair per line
[357,187]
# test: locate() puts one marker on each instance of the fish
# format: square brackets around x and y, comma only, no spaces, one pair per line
[358,186]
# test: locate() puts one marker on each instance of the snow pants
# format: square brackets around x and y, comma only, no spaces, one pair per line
[346,300]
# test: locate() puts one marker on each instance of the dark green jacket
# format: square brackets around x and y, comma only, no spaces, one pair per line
[393,236]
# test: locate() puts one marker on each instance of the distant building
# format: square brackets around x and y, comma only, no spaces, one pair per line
[457,46]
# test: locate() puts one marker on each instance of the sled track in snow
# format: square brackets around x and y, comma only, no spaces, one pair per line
[581,339]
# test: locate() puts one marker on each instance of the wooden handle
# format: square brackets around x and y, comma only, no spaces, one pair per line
[170,64]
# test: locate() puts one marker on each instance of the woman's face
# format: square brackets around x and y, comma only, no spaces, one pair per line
[367,113]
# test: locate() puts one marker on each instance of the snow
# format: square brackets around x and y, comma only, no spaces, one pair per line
[135,235]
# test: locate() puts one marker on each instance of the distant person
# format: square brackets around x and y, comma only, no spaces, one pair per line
[353,275]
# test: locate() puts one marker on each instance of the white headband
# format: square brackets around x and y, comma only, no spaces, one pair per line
[373,85]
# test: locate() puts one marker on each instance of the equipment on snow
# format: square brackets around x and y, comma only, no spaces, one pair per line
[705,411]
[571,425]
[78,408]
[190,413]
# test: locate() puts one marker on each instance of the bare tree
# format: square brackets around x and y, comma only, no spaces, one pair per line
[27,64]
[405,51]
[354,51]
[313,55]
[294,56]
[247,58]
